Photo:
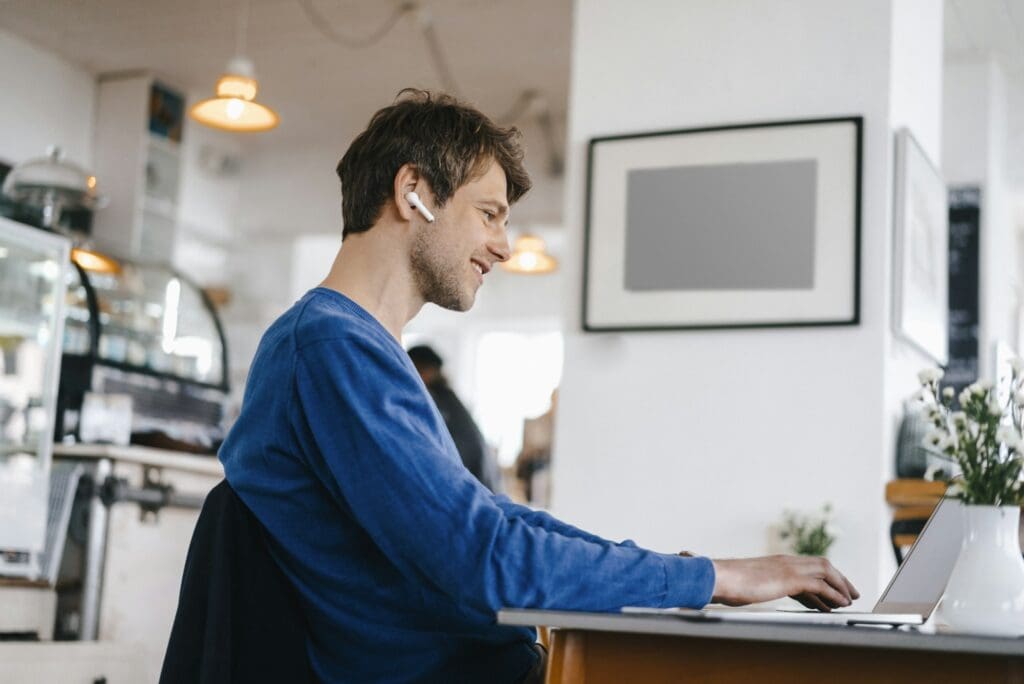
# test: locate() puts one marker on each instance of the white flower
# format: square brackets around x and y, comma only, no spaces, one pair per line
[1017,364]
[934,438]
[965,396]
[982,386]
[930,375]
[947,393]
[959,419]
[995,408]
[1009,436]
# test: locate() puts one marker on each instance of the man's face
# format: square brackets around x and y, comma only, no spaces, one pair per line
[450,256]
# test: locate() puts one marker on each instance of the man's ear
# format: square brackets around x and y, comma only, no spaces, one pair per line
[408,179]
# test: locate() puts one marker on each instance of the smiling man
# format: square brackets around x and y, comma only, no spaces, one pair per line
[400,557]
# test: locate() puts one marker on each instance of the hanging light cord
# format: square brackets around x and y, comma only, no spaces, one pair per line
[321,24]
[243,28]
[436,53]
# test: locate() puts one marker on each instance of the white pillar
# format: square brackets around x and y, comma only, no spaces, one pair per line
[696,439]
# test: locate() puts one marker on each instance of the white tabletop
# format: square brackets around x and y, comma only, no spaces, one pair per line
[832,635]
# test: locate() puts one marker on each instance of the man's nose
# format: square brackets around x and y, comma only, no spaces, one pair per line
[500,247]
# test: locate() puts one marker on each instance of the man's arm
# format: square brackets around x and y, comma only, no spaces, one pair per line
[737,581]
[389,465]
[549,522]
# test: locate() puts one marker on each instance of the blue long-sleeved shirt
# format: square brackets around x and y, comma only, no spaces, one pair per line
[400,557]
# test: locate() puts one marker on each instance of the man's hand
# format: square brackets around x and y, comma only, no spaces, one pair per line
[812,581]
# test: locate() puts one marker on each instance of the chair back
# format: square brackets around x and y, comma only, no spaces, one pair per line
[239,618]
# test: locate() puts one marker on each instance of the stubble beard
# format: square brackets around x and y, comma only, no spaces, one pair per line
[436,273]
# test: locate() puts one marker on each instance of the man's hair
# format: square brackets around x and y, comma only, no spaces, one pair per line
[449,143]
[425,357]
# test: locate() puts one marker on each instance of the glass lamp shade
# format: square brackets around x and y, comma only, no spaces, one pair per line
[529,257]
[234,108]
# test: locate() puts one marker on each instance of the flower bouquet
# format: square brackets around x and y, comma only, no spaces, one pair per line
[985,592]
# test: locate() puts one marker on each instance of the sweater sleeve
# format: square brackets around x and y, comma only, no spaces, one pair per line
[391,465]
[549,522]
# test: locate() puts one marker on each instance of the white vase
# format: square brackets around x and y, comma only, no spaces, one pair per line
[985,593]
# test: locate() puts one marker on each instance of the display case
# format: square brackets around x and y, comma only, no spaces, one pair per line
[147,332]
[33,271]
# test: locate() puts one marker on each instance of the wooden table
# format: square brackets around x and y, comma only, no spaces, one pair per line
[601,647]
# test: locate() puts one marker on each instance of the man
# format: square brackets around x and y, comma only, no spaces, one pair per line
[400,557]
[471,445]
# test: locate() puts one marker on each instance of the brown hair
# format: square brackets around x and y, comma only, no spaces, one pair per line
[449,143]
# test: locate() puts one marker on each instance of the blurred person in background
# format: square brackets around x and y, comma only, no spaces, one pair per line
[473,449]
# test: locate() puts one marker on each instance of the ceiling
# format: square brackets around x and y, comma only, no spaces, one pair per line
[975,29]
[314,83]
[320,86]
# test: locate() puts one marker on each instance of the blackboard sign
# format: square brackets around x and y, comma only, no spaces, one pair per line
[964,243]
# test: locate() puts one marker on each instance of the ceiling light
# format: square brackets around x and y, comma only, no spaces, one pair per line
[529,257]
[95,262]
[235,108]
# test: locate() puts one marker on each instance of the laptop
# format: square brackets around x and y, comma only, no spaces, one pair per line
[911,597]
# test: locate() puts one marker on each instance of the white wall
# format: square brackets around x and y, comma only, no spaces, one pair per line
[975,149]
[698,440]
[44,100]
[208,200]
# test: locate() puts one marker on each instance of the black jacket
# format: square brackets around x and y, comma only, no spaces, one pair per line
[238,619]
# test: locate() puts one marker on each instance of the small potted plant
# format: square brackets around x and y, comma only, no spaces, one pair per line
[808,535]
[982,439]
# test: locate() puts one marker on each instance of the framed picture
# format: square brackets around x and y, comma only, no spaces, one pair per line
[741,226]
[921,251]
[166,112]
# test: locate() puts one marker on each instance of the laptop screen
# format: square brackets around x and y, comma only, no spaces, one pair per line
[921,579]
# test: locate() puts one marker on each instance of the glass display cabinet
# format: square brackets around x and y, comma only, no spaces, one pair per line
[147,332]
[33,272]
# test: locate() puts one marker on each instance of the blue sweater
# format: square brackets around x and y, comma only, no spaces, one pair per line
[400,557]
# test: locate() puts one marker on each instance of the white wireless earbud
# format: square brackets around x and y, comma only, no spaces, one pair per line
[415,201]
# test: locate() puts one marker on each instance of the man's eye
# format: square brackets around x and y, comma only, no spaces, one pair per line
[489,214]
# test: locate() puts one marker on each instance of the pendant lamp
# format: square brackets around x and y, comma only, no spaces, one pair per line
[235,107]
[529,256]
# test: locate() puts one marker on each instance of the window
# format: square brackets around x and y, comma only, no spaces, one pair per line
[515,375]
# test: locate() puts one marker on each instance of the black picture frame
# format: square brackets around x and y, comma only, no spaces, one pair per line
[838,158]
